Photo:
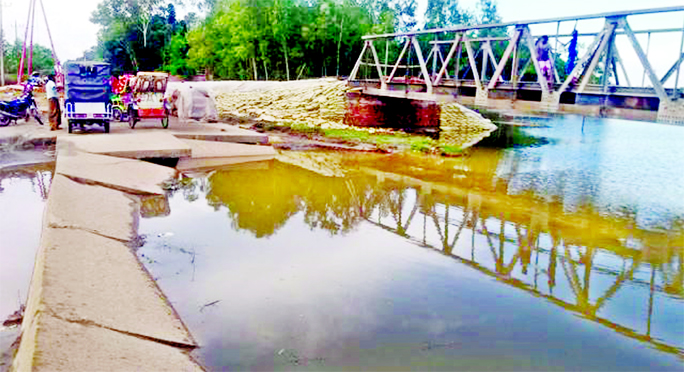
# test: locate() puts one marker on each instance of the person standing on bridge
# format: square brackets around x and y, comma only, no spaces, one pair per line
[544,57]
[53,99]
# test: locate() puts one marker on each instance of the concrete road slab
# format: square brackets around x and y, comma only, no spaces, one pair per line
[224,133]
[128,175]
[92,208]
[91,279]
[41,134]
[207,154]
[134,146]
[53,344]
[191,165]
[24,132]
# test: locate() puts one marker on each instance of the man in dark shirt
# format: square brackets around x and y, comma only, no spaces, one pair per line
[544,56]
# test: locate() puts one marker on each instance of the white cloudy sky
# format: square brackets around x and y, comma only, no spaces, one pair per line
[69,21]
[73,32]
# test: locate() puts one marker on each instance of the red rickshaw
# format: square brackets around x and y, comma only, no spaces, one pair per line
[147,98]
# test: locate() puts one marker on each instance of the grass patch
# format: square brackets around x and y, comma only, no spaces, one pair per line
[384,141]
[303,128]
[451,150]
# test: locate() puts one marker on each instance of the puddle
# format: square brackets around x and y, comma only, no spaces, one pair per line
[23,191]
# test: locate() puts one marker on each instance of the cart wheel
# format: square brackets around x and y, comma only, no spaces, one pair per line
[117,114]
[106,126]
[131,118]
[165,122]
[70,126]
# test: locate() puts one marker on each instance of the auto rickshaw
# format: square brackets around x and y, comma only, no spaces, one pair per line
[147,98]
[87,92]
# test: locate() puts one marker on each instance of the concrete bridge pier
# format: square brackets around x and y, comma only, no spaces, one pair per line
[671,112]
[482,97]
[550,101]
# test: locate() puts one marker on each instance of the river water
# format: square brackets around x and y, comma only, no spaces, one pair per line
[562,250]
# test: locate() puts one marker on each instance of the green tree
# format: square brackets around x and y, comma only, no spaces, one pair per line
[445,13]
[279,39]
[134,33]
[487,13]
[176,55]
[42,58]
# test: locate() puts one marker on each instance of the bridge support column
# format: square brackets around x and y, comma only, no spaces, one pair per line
[482,97]
[550,101]
[671,112]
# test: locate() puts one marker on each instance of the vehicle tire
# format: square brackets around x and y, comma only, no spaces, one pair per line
[131,118]
[70,126]
[117,114]
[4,120]
[165,122]
[106,126]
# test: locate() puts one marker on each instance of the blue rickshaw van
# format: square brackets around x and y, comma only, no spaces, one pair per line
[87,94]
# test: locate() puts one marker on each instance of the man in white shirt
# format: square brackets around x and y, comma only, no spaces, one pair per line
[53,99]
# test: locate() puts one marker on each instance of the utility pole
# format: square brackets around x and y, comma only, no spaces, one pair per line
[2,50]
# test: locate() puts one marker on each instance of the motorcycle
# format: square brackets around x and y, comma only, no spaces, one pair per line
[20,108]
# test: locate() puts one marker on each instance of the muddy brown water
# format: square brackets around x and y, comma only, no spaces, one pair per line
[562,250]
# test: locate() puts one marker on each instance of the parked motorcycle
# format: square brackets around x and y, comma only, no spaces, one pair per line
[20,108]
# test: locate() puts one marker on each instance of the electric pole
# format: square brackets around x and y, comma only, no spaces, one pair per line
[2,50]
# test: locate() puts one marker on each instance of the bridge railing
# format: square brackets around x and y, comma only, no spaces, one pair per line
[457,57]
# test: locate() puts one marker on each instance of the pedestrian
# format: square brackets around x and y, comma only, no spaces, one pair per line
[544,57]
[53,99]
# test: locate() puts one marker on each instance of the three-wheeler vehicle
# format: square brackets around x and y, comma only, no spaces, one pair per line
[147,98]
[87,91]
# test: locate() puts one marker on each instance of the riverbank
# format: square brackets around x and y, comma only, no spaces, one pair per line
[316,111]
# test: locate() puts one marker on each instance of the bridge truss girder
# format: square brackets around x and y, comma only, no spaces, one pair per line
[602,49]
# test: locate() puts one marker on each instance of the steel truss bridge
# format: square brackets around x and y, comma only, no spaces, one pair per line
[479,71]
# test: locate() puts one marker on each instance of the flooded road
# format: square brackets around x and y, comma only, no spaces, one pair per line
[22,198]
[563,250]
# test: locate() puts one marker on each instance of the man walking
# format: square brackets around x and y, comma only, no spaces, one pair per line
[544,57]
[53,99]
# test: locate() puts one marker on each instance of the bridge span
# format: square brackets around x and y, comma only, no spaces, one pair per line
[497,66]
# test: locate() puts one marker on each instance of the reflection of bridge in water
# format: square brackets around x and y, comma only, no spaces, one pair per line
[499,68]
[583,261]
[534,255]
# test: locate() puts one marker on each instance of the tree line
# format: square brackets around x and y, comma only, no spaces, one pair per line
[263,39]
[251,39]
[42,60]
[260,39]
